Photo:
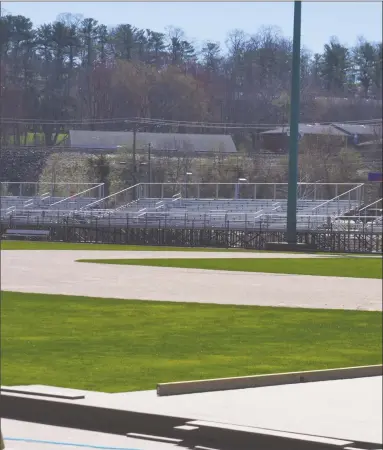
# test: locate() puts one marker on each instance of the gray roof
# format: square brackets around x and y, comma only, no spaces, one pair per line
[366,130]
[194,143]
[376,143]
[345,100]
[308,129]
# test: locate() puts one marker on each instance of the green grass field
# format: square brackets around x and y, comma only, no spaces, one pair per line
[333,267]
[120,345]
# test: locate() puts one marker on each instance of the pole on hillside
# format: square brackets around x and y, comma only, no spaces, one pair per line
[291,236]
[135,195]
[134,153]
[149,165]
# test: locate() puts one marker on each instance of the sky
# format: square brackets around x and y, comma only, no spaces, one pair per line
[212,21]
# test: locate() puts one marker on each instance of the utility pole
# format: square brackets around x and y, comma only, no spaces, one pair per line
[149,165]
[134,153]
[291,234]
[150,162]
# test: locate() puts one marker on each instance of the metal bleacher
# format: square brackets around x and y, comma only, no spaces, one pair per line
[221,214]
[133,207]
[37,208]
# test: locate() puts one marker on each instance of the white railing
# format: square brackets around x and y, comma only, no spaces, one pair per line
[262,212]
[124,192]
[159,205]
[32,188]
[346,196]
[176,197]
[141,212]
[275,191]
[44,197]
[126,206]
[377,223]
[357,223]
[77,196]
[366,208]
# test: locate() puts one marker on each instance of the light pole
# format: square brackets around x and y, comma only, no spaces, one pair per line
[240,180]
[188,174]
[149,165]
[291,235]
[136,175]
[134,150]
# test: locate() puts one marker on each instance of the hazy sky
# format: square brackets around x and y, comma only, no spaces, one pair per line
[213,20]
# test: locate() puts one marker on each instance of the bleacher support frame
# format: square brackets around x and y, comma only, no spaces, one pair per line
[330,240]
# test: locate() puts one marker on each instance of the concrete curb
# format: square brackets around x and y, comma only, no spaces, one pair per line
[224,384]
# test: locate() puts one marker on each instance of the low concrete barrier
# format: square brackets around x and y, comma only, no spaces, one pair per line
[224,384]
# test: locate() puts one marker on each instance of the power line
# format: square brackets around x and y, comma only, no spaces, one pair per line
[165,122]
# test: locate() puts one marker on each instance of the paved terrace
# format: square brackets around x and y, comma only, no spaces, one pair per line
[32,436]
[349,411]
[57,272]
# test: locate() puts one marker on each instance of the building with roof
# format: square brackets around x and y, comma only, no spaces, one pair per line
[277,139]
[360,133]
[110,141]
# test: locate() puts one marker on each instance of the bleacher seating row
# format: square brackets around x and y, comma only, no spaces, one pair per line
[174,212]
[43,202]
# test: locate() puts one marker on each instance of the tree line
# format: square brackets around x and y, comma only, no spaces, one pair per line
[77,69]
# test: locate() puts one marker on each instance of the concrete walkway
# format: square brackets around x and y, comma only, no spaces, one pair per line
[349,410]
[31,436]
[57,272]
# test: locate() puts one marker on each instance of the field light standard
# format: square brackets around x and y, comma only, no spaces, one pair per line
[149,165]
[140,164]
[240,180]
[291,235]
[187,175]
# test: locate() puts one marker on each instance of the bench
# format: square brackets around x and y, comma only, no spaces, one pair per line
[33,235]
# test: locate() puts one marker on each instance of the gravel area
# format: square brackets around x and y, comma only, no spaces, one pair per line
[57,272]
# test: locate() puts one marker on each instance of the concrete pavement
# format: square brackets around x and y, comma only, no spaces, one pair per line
[57,272]
[344,410]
